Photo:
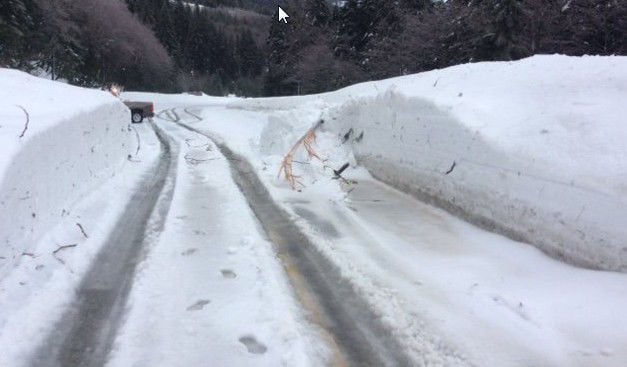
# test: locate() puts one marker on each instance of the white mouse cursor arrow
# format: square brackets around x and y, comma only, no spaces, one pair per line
[283,15]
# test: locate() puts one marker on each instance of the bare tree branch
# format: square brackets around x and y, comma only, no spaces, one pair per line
[451,169]
[139,142]
[27,120]
[82,230]
[61,248]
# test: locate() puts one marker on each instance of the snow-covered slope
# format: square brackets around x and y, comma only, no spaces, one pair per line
[534,149]
[74,140]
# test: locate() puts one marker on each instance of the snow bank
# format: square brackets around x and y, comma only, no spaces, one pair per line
[533,149]
[76,138]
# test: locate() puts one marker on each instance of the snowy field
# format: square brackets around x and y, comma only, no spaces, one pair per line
[477,204]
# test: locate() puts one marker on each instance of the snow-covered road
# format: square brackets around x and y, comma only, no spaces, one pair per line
[215,262]
[174,243]
[432,280]
[211,291]
[381,278]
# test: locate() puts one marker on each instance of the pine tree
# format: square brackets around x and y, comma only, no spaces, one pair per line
[317,13]
[248,55]
[15,25]
[360,21]
[507,26]
[280,79]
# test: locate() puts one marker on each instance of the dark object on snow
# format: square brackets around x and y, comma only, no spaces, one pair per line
[347,135]
[451,169]
[80,226]
[338,173]
[140,110]
[360,137]
[27,120]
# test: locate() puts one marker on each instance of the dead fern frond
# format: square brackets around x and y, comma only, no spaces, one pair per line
[307,142]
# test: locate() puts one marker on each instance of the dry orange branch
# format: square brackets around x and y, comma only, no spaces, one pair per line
[307,142]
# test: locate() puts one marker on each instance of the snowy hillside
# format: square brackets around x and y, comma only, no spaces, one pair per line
[533,149]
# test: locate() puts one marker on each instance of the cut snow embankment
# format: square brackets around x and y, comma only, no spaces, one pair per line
[71,141]
[78,162]
[533,149]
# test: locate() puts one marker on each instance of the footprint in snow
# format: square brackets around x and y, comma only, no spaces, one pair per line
[199,305]
[230,274]
[252,345]
[189,252]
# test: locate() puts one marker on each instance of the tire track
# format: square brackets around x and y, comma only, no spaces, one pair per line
[84,334]
[354,331]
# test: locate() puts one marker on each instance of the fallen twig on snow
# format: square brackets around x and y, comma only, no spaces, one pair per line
[338,174]
[54,254]
[196,161]
[139,142]
[27,120]
[82,230]
[63,247]
[451,169]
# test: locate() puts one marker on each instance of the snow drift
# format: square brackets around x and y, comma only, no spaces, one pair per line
[533,149]
[75,139]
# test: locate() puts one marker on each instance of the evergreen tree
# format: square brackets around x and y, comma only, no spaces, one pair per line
[249,56]
[280,79]
[15,26]
[317,13]
[359,21]
[507,26]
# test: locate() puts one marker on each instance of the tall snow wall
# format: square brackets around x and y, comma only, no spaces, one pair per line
[535,150]
[75,140]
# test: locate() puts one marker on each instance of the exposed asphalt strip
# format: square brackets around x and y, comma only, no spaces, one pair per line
[356,333]
[85,333]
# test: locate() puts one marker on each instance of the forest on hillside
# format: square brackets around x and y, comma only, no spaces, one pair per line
[237,46]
